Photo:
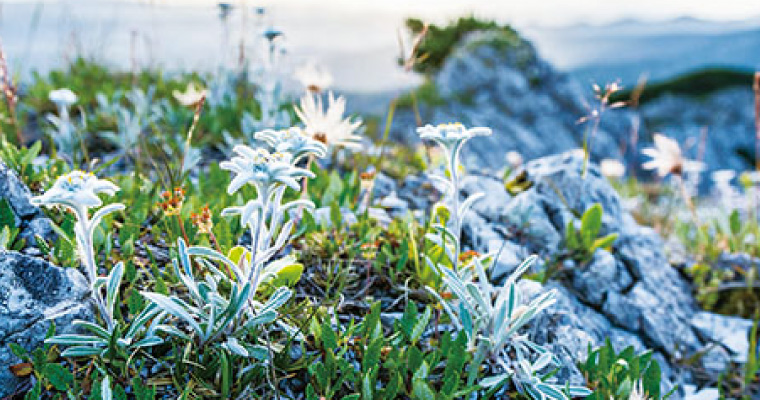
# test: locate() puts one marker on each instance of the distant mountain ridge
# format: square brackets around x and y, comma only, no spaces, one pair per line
[660,50]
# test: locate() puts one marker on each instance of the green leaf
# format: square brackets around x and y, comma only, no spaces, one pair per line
[604,242]
[420,326]
[394,384]
[58,376]
[288,275]
[18,351]
[735,223]
[371,325]
[336,217]
[225,370]
[421,390]
[329,338]
[372,354]
[651,380]
[591,224]
[7,216]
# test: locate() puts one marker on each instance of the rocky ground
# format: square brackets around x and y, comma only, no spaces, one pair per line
[630,294]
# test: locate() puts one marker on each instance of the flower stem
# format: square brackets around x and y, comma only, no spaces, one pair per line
[182,228]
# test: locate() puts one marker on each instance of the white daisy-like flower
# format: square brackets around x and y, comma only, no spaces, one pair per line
[263,169]
[192,95]
[313,77]
[328,125]
[451,137]
[611,168]
[667,158]
[63,98]
[76,190]
[292,140]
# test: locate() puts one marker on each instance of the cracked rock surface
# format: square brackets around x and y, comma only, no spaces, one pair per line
[630,294]
[28,218]
[33,294]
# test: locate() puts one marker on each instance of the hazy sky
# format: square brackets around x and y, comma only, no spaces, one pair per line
[356,39]
[520,12]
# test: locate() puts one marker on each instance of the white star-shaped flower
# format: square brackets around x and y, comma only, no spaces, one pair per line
[292,140]
[667,157]
[77,190]
[328,125]
[262,169]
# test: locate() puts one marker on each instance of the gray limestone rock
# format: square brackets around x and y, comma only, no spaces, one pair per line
[28,218]
[34,294]
[630,294]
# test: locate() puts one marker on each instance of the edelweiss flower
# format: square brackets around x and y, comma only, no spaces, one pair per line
[192,95]
[63,98]
[451,137]
[612,169]
[314,77]
[667,158]
[294,141]
[263,169]
[328,125]
[76,190]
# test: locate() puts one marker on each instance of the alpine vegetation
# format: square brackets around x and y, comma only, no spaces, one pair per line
[245,234]
[490,316]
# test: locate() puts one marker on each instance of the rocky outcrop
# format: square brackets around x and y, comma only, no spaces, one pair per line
[34,294]
[28,218]
[534,109]
[630,294]
[531,107]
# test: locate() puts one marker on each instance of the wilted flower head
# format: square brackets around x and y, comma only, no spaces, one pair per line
[328,125]
[451,136]
[314,77]
[293,140]
[63,98]
[172,201]
[667,157]
[612,169]
[191,97]
[76,190]
[202,220]
[263,169]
